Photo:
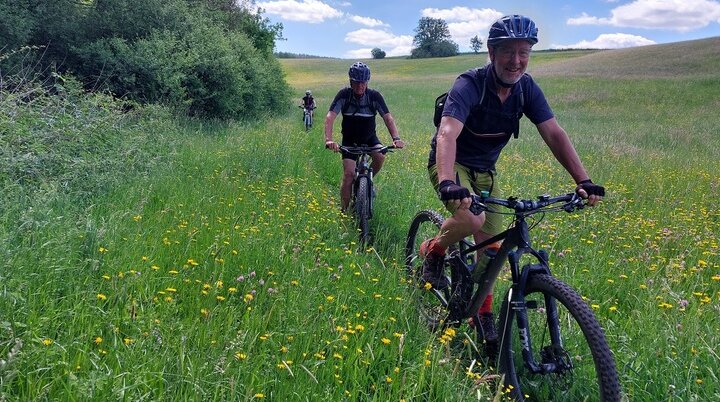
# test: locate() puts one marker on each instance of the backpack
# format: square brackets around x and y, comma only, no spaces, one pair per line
[480,77]
[346,105]
[440,100]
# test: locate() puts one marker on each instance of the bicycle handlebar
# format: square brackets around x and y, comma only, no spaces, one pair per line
[570,202]
[364,149]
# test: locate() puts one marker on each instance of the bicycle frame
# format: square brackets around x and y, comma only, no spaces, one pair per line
[364,169]
[516,243]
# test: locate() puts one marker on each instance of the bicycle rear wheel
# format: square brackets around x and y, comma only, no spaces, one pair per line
[586,368]
[432,303]
[308,121]
[362,208]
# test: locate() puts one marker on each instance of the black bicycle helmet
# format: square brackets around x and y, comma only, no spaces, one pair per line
[359,72]
[513,27]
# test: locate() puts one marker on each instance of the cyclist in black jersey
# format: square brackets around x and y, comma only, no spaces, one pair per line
[358,105]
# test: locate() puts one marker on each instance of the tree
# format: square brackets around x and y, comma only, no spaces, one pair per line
[377,53]
[476,44]
[432,39]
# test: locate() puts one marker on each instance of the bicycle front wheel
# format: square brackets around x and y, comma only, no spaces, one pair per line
[362,208]
[432,303]
[576,362]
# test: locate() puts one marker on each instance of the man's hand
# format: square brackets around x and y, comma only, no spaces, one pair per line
[590,191]
[454,196]
[332,145]
[398,143]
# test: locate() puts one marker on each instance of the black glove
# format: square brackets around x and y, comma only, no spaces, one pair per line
[592,188]
[450,191]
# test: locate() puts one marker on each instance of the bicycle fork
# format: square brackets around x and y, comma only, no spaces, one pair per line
[553,356]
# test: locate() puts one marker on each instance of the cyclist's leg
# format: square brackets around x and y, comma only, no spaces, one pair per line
[378,159]
[347,181]
[462,223]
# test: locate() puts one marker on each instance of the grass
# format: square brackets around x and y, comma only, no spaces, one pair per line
[162,259]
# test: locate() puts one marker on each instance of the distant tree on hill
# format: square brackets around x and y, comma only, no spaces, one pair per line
[377,53]
[476,44]
[432,39]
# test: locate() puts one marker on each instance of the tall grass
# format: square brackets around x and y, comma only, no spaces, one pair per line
[210,260]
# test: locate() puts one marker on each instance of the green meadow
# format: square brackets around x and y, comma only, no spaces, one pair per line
[146,257]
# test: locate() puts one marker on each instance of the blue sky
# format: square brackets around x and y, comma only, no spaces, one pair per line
[350,29]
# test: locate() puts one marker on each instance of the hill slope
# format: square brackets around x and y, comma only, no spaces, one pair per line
[697,58]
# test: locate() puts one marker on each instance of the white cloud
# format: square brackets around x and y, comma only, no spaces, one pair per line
[367,21]
[609,41]
[464,23]
[310,11]
[678,15]
[391,44]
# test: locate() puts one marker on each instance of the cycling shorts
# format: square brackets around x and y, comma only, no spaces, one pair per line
[476,182]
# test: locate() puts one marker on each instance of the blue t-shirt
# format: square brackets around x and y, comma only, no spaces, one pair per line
[489,125]
[358,123]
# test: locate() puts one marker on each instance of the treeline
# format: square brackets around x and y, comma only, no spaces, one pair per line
[206,58]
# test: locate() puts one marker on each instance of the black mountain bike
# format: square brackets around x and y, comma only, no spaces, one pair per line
[551,347]
[307,117]
[363,193]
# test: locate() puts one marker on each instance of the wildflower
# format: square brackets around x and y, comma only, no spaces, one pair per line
[248,298]
[220,298]
[47,342]
[232,290]
[240,356]
[388,379]
[98,340]
[103,250]
[259,395]
[128,341]
[385,341]
[101,296]
[330,298]
[205,312]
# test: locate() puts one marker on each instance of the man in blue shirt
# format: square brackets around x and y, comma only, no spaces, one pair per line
[481,113]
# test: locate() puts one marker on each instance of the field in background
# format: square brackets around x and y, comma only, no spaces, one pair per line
[225,270]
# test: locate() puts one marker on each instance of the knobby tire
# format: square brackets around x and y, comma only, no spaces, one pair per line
[362,209]
[593,376]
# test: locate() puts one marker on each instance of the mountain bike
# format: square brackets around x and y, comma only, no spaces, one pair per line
[551,346]
[363,191]
[307,116]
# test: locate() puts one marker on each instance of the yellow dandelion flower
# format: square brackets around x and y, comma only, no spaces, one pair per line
[106,277]
[330,298]
[248,298]
[232,290]
[101,296]
[98,340]
[427,362]
[294,283]
[173,272]
[47,342]
[595,306]
[128,341]
[613,308]
[171,290]
[259,395]
[205,312]
[388,379]
[385,341]
[698,381]
[240,356]
[103,250]
[427,286]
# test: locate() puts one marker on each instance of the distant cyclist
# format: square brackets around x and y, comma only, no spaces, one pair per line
[308,102]
[358,106]
[482,112]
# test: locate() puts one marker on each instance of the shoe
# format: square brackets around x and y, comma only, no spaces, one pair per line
[490,335]
[433,267]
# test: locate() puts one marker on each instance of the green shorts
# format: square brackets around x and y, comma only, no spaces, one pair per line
[477,182]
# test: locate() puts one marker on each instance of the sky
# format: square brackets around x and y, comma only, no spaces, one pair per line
[350,29]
